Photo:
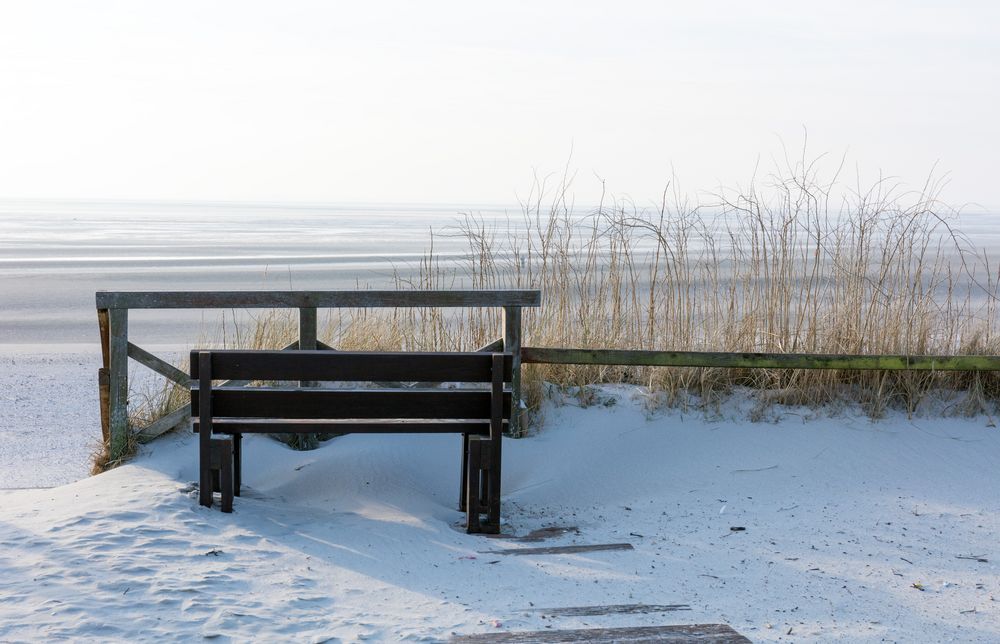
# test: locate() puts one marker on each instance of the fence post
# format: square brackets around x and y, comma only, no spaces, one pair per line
[307,331]
[103,378]
[512,345]
[307,341]
[117,356]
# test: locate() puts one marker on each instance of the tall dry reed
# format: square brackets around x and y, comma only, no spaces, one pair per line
[793,262]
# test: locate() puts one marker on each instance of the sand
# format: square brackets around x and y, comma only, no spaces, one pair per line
[854,531]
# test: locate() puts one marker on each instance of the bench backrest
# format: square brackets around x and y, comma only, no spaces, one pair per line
[287,408]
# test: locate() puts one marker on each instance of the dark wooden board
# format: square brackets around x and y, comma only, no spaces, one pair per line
[253,426]
[560,550]
[326,404]
[614,609]
[352,366]
[317,299]
[677,634]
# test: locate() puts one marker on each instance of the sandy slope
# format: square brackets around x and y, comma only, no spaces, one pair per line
[358,539]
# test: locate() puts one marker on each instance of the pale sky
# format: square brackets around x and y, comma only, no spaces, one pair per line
[461,102]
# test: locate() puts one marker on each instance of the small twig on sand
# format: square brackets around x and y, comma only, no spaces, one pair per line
[979,558]
[759,469]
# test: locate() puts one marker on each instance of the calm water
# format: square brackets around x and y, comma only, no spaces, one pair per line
[55,256]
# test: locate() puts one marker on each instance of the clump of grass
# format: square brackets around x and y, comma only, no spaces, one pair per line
[100,458]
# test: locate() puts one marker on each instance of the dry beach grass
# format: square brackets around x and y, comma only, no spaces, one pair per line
[792,262]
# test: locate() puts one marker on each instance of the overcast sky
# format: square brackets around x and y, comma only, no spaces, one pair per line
[461,102]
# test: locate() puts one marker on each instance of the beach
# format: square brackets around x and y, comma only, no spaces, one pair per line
[815,525]
[787,522]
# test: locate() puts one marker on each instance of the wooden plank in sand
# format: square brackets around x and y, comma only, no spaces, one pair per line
[613,609]
[677,634]
[560,550]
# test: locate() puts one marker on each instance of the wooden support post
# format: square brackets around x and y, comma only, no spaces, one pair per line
[117,383]
[496,444]
[104,378]
[104,392]
[307,341]
[103,325]
[205,428]
[307,328]
[512,345]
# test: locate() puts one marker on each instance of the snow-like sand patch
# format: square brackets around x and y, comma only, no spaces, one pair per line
[50,422]
[360,539]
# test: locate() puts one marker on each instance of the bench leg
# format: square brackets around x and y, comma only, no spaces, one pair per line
[464,487]
[205,478]
[237,463]
[221,471]
[482,487]
[226,474]
[473,485]
[492,503]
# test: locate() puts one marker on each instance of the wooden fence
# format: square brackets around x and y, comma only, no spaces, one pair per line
[547,355]
[112,316]
[113,307]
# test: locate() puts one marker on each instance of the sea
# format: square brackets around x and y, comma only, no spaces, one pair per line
[54,256]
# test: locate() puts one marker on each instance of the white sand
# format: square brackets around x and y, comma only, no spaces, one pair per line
[49,414]
[359,539]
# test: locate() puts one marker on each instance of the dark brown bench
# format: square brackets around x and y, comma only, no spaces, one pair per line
[477,413]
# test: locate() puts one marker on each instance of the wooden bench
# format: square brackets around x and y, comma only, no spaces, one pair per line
[477,413]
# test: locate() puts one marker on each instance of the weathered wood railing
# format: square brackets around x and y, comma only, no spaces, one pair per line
[634,358]
[112,315]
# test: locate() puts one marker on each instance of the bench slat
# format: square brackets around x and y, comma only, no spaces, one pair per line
[351,366]
[260,426]
[264,402]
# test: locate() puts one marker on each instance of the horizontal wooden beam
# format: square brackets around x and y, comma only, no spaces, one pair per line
[317,299]
[355,366]
[360,404]
[546,355]
[262,426]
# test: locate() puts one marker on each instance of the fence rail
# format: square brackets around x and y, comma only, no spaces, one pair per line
[313,299]
[624,357]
